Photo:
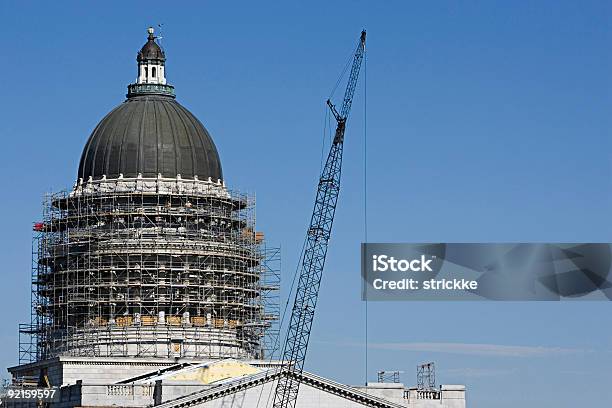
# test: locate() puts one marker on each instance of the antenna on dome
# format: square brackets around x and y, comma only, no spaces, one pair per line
[160,36]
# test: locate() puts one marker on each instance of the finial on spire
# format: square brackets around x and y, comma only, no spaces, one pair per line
[151,32]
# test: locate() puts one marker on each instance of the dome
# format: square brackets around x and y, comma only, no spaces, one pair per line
[150,135]
[151,50]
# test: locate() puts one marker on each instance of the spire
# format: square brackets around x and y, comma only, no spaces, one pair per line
[151,69]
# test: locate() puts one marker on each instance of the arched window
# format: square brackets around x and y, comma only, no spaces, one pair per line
[153,72]
[146,71]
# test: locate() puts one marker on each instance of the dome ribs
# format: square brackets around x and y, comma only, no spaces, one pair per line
[151,135]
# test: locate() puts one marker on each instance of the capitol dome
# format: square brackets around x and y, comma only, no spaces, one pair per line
[150,133]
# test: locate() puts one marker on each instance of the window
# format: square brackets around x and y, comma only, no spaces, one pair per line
[153,72]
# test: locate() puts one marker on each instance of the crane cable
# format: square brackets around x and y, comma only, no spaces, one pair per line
[365,190]
[327,135]
[327,131]
[349,60]
[280,325]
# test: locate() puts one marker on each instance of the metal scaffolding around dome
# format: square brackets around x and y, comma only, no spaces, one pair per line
[151,267]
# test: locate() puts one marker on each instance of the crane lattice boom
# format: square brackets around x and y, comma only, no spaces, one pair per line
[315,250]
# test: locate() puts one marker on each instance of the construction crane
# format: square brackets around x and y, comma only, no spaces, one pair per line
[315,249]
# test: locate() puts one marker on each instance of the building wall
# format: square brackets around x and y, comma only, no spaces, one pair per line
[393,392]
[63,371]
[91,382]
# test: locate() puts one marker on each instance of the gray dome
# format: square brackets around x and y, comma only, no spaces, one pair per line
[150,135]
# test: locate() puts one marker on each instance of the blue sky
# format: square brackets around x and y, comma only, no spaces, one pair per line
[486,121]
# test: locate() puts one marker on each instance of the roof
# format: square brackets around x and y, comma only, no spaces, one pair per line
[233,386]
[204,373]
[149,135]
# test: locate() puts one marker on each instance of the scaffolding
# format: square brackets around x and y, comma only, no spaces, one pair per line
[152,268]
[426,376]
[389,376]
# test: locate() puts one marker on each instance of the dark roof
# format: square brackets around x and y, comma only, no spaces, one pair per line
[149,135]
[151,51]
